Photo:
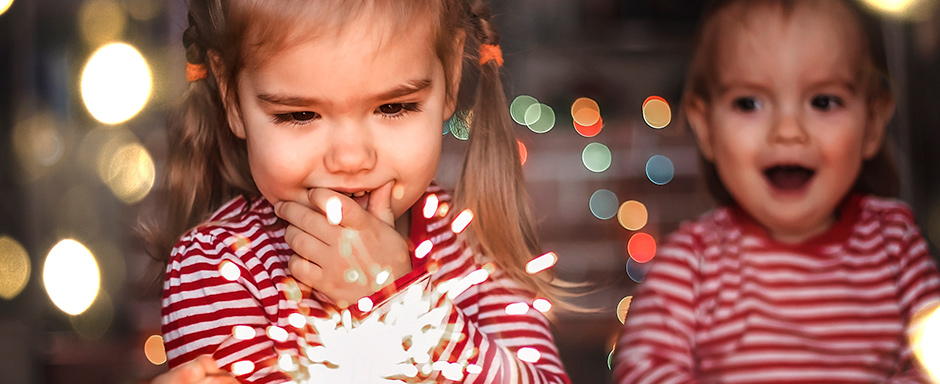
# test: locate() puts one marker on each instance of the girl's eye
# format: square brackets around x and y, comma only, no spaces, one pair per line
[747,104]
[296,117]
[397,109]
[826,102]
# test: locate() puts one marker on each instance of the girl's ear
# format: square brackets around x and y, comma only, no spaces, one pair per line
[698,121]
[227,94]
[879,115]
[454,74]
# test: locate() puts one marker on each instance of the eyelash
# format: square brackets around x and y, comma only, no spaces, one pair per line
[291,117]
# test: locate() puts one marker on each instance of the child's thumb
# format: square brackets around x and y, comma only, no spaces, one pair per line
[380,203]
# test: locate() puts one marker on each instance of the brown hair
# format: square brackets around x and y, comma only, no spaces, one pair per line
[208,164]
[879,174]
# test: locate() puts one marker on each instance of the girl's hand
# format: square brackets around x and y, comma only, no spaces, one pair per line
[352,258]
[202,370]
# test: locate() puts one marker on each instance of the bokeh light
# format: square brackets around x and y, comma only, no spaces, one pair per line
[461,221]
[529,354]
[604,204]
[242,367]
[519,106]
[38,143]
[155,350]
[101,21]
[541,263]
[365,304]
[94,322]
[518,308]
[925,341]
[143,9]
[585,111]
[623,307]
[243,332]
[659,169]
[641,247]
[70,275]
[5,5]
[14,267]
[129,172]
[116,83]
[892,6]
[276,333]
[423,249]
[596,157]
[542,305]
[540,118]
[636,271]
[459,124]
[430,206]
[523,152]
[632,215]
[656,112]
[590,130]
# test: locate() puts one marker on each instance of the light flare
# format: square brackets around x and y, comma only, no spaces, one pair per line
[334,210]
[430,206]
[229,270]
[243,367]
[462,221]
[541,263]
[516,309]
[423,249]
[542,305]
[529,354]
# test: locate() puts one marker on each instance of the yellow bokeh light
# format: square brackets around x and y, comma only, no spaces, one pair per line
[632,215]
[129,172]
[116,83]
[623,307]
[70,275]
[925,340]
[101,21]
[5,5]
[155,350]
[891,5]
[656,112]
[14,267]
[93,322]
[38,143]
[585,111]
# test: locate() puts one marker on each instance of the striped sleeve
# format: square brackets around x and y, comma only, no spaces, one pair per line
[918,285]
[200,308]
[656,344]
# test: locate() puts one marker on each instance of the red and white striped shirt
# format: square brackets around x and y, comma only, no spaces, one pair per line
[725,303]
[200,307]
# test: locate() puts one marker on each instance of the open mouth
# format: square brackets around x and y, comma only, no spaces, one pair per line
[788,177]
[360,197]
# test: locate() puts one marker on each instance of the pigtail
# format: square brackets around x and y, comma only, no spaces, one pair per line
[207,164]
[491,182]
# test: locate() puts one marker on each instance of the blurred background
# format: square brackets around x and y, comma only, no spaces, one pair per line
[85,86]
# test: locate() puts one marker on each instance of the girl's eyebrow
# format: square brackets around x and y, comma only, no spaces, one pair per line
[405,89]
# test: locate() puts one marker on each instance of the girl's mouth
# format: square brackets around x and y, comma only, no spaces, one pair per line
[360,197]
[789,178]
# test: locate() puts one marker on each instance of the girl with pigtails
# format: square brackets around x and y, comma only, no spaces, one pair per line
[300,182]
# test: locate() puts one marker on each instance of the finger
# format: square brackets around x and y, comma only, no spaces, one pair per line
[308,220]
[207,364]
[194,371]
[380,203]
[338,208]
[307,245]
[305,271]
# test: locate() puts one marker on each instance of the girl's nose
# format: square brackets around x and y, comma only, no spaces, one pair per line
[787,128]
[351,150]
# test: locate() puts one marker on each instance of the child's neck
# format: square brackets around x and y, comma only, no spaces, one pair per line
[403,224]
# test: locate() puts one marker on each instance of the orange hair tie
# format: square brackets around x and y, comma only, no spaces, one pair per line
[490,52]
[196,72]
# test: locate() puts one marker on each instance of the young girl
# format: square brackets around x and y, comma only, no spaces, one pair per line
[312,130]
[804,274]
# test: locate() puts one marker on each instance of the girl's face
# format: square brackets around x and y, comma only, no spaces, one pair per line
[787,125]
[350,111]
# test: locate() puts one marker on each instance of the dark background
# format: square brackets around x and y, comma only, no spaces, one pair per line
[615,52]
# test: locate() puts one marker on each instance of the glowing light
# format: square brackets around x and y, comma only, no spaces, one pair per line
[442,211]
[143,9]
[542,305]
[229,270]
[296,320]
[242,367]
[128,171]
[528,354]
[243,332]
[5,5]
[523,152]
[365,304]
[38,143]
[14,268]
[474,369]
[589,130]
[398,191]
[540,118]
[641,247]
[632,215]
[603,204]
[70,275]
[519,106]
[459,124]
[94,322]
[585,111]
[623,307]
[518,308]
[452,371]
[656,112]
[423,249]
[101,21]
[926,341]
[636,271]
[286,363]
[659,169]
[462,221]
[596,157]
[430,206]
[154,350]
[893,6]
[541,263]
[610,358]
[351,275]
[334,210]
[382,276]
[116,83]
[276,333]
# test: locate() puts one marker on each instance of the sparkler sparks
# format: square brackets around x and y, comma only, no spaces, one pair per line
[430,206]
[462,221]
[541,263]
[423,249]
[229,270]
[334,210]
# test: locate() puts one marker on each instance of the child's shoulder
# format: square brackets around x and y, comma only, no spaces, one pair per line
[886,208]
[237,226]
